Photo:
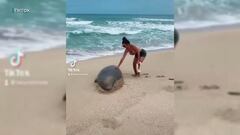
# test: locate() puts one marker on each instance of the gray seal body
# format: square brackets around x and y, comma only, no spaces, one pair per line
[110,78]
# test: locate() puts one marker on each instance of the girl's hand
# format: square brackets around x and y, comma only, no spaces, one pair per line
[139,61]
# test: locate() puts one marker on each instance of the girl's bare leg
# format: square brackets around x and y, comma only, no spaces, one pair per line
[135,66]
[139,67]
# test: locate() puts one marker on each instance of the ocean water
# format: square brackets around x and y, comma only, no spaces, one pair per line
[90,36]
[42,28]
[193,14]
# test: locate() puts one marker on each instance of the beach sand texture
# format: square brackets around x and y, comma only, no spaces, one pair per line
[205,100]
[208,83]
[143,106]
[35,110]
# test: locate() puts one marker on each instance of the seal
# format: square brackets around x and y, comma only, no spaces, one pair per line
[110,78]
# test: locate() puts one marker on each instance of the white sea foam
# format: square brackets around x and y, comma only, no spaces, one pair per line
[78,23]
[119,27]
[75,22]
[3,1]
[141,25]
[12,39]
[154,33]
[192,14]
[154,19]
[83,55]
[219,20]
[105,30]
[71,19]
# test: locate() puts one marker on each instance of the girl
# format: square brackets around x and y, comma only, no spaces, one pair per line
[139,55]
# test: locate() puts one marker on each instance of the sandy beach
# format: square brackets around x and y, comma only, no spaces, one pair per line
[34,109]
[205,100]
[143,106]
[207,82]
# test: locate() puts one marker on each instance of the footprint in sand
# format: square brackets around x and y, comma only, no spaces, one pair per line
[169,88]
[234,93]
[179,85]
[112,123]
[64,97]
[178,82]
[144,94]
[160,76]
[146,75]
[209,87]
[229,114]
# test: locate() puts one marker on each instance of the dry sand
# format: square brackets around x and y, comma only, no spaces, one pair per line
[207,68]
[35,110]
[143,106]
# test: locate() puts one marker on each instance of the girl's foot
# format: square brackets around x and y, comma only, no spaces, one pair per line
[139,71]
[136,75]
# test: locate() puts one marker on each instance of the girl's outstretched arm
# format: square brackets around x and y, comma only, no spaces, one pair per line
[123,57]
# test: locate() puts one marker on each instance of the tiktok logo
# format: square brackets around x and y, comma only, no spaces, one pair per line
[73,63]
[17,59]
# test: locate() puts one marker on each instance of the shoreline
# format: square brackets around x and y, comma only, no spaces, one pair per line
[210,28]
[119,54]
[63,47]
[39,51]
[191,30]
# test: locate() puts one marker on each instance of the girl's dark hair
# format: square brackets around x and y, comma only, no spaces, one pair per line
[125,41]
